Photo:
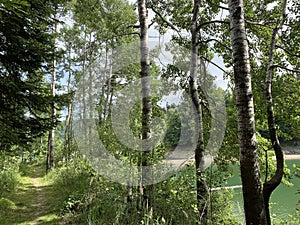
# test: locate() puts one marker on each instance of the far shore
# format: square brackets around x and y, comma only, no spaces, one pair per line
[290,157]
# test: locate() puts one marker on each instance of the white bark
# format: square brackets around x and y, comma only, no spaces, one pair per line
[146,102]
[250,173]
[202,190]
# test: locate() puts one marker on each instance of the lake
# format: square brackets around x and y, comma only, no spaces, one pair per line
[283,201]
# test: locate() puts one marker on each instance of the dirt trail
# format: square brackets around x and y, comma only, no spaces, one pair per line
[39,200]
[35,201]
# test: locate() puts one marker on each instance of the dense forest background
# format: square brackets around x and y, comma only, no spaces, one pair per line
[111,113]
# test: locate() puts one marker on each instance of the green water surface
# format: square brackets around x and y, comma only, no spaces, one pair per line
[284,199]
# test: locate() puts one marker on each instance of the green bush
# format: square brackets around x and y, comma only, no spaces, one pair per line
[73,183]
[9,176]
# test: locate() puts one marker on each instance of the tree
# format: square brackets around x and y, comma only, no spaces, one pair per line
[51,136]
[250,173]
[24,60]
[68,62]
[146,103]
[270,185]
[201,186]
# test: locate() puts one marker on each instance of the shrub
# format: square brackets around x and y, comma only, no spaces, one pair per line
[9,176]
[73,183]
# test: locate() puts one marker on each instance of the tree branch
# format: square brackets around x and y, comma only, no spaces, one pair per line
[258,23]
[151,24]
[134,26]
[219,6]
[216,65]
[213,39]
[288,52]
[211,22]
[285,68]
[165,20]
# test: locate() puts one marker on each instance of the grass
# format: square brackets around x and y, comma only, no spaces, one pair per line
[34,203]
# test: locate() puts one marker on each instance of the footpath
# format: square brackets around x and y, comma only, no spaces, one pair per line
[34,202]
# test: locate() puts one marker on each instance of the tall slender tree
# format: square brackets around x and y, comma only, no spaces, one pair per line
[146,192]
[250,173]
[270,185]
[201,186]
[68,129]
[51,136]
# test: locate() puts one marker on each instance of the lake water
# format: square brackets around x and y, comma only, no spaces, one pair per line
[283,201]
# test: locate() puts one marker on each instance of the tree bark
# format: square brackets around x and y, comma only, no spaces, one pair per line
[90,82]
[67,144]
[201,186]
[108,67]
[250,173]
[270,185]
[147,192]
[84,82]
[51,136]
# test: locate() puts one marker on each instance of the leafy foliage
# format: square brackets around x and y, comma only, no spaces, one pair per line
[9,175]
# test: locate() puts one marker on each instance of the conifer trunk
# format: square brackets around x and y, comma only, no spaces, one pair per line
[51,136]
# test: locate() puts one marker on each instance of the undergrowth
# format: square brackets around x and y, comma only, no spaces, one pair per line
[88,198]
[9,175]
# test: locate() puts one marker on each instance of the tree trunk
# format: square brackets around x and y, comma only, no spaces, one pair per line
[146,192]
[201,186]
[51,136]
[67,145]
[90,80]
[109,67]
[272,184]
[84,84]
[250,173]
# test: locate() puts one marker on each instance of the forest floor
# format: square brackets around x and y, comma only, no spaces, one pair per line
[35,201]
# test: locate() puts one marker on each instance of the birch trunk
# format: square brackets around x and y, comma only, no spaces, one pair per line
[273,183]
[250,173]
[146,192]
[201,186]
